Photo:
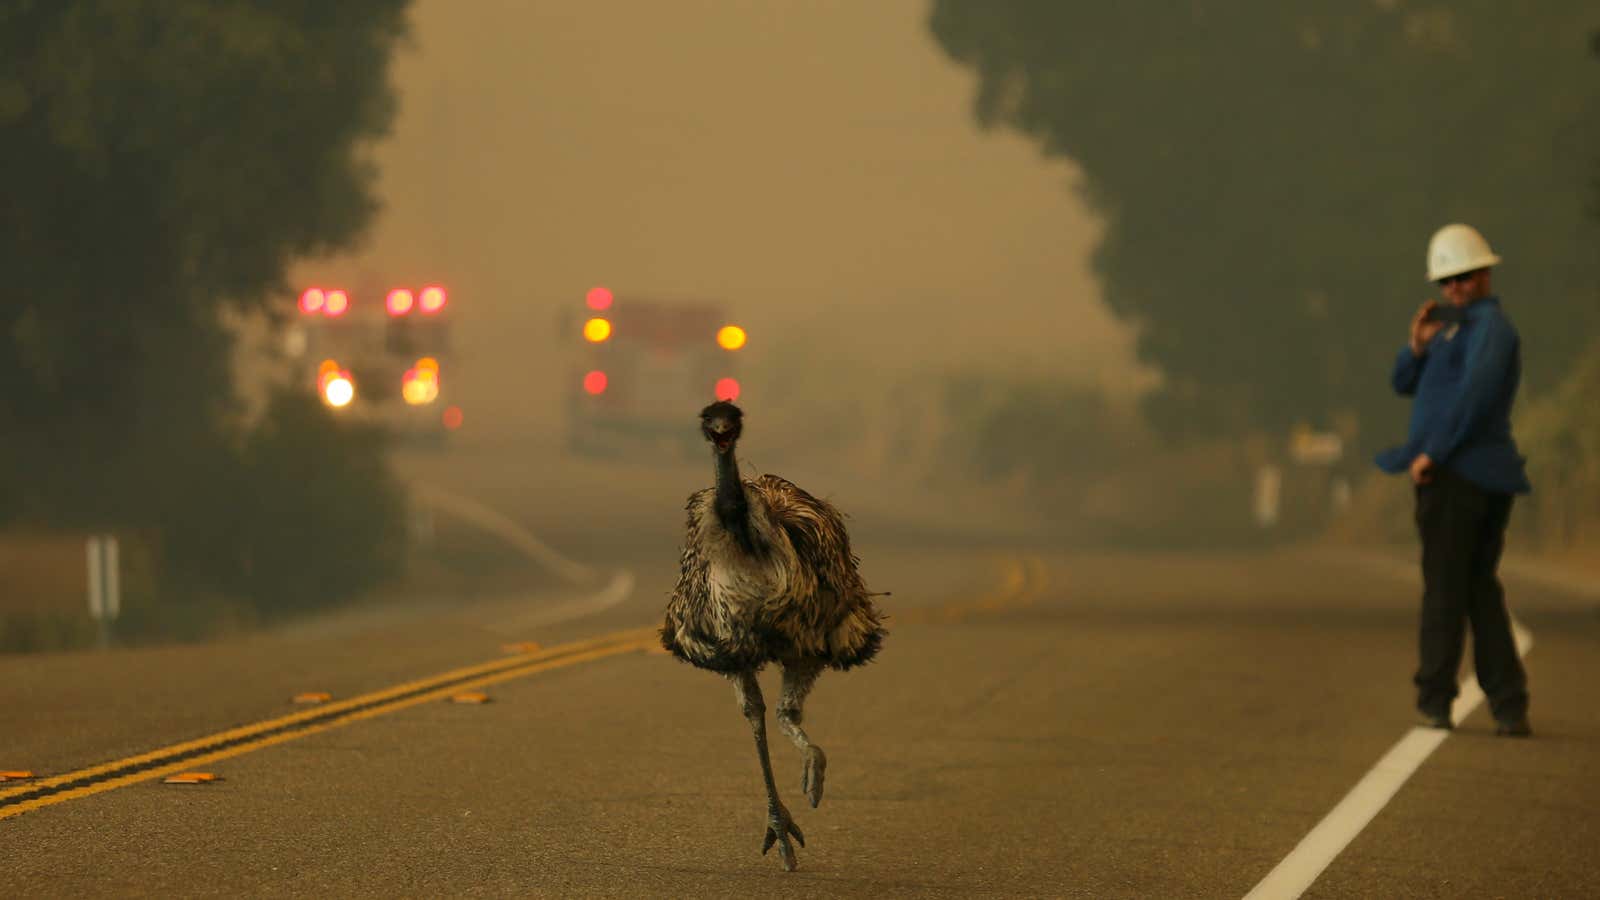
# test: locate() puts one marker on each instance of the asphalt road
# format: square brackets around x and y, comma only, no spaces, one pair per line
[1042,722]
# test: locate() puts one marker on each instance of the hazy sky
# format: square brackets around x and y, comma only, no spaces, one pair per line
[811,163]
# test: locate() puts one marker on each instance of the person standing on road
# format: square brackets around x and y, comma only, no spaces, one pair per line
[1461,366]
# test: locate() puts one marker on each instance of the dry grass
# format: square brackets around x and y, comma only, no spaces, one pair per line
[42,573]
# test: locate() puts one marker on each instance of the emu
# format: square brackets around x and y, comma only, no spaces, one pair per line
[767,575]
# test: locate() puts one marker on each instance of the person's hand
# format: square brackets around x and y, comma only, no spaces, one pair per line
[1422,330]
[1421,469]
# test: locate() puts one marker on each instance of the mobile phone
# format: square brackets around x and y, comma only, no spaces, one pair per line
[1448,313]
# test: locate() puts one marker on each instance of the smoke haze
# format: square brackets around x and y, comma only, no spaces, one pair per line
[811,164]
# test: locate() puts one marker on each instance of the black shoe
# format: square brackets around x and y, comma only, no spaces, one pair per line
[1517,727]
[1440,720]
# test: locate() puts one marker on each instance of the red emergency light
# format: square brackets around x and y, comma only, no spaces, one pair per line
[399,302]
[431,300]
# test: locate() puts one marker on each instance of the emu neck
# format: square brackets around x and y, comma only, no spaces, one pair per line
[733,510]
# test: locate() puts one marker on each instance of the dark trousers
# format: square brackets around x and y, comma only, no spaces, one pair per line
[1463,531]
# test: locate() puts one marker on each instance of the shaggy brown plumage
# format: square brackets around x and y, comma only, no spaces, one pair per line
[803,599]
[767,575]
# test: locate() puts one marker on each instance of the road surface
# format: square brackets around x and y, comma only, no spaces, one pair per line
[1043,721]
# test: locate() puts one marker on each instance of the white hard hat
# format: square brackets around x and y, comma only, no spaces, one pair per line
[1456,249]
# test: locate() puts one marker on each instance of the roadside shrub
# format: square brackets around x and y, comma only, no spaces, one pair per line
[302,514]
[1560,435]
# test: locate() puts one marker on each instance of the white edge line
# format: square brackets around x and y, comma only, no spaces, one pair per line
[508,530]
[1323,844]
[615,591]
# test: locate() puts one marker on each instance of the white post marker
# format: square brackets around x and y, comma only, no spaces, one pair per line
[113,566]
[97,579]
[1269,491]
[105,582]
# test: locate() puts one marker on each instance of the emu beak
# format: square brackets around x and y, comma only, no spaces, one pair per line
[720,432]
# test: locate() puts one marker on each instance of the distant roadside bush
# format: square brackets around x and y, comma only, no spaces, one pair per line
[1094,473]
[44,631]
[1560,435]
[1038,430]
[303,514]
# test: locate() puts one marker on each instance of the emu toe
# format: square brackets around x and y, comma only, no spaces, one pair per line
[811,779]
[779,827]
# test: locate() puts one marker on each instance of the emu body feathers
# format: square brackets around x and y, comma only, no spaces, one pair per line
[767,575]
[797,597]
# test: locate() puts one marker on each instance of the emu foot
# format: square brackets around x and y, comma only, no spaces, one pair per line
[811,779]
[779,827]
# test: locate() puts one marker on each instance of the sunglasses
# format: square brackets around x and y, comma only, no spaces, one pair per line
[1464,276]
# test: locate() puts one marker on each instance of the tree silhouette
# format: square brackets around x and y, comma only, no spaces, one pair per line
[162,162]
[161,165]
[1271,172]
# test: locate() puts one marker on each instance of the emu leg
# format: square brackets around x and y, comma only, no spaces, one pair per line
[779,825]
[797,681]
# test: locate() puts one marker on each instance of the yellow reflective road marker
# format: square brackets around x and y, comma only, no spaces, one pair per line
[470,697]
[521,647]
[300,720]
[15,775]
[190,778]
[313,697]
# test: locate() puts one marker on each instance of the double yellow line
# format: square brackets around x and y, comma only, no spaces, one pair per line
[1023,580]
[34,795]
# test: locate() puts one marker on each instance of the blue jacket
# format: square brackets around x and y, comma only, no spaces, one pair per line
[1464,385]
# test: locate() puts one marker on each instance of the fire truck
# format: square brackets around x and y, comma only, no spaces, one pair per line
[642,368]
[380,356]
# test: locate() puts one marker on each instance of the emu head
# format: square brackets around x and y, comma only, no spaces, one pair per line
[721,423]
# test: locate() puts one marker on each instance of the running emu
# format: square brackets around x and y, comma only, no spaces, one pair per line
[768,575]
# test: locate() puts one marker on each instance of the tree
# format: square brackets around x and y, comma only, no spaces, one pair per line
[162,164]
[1271,172]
